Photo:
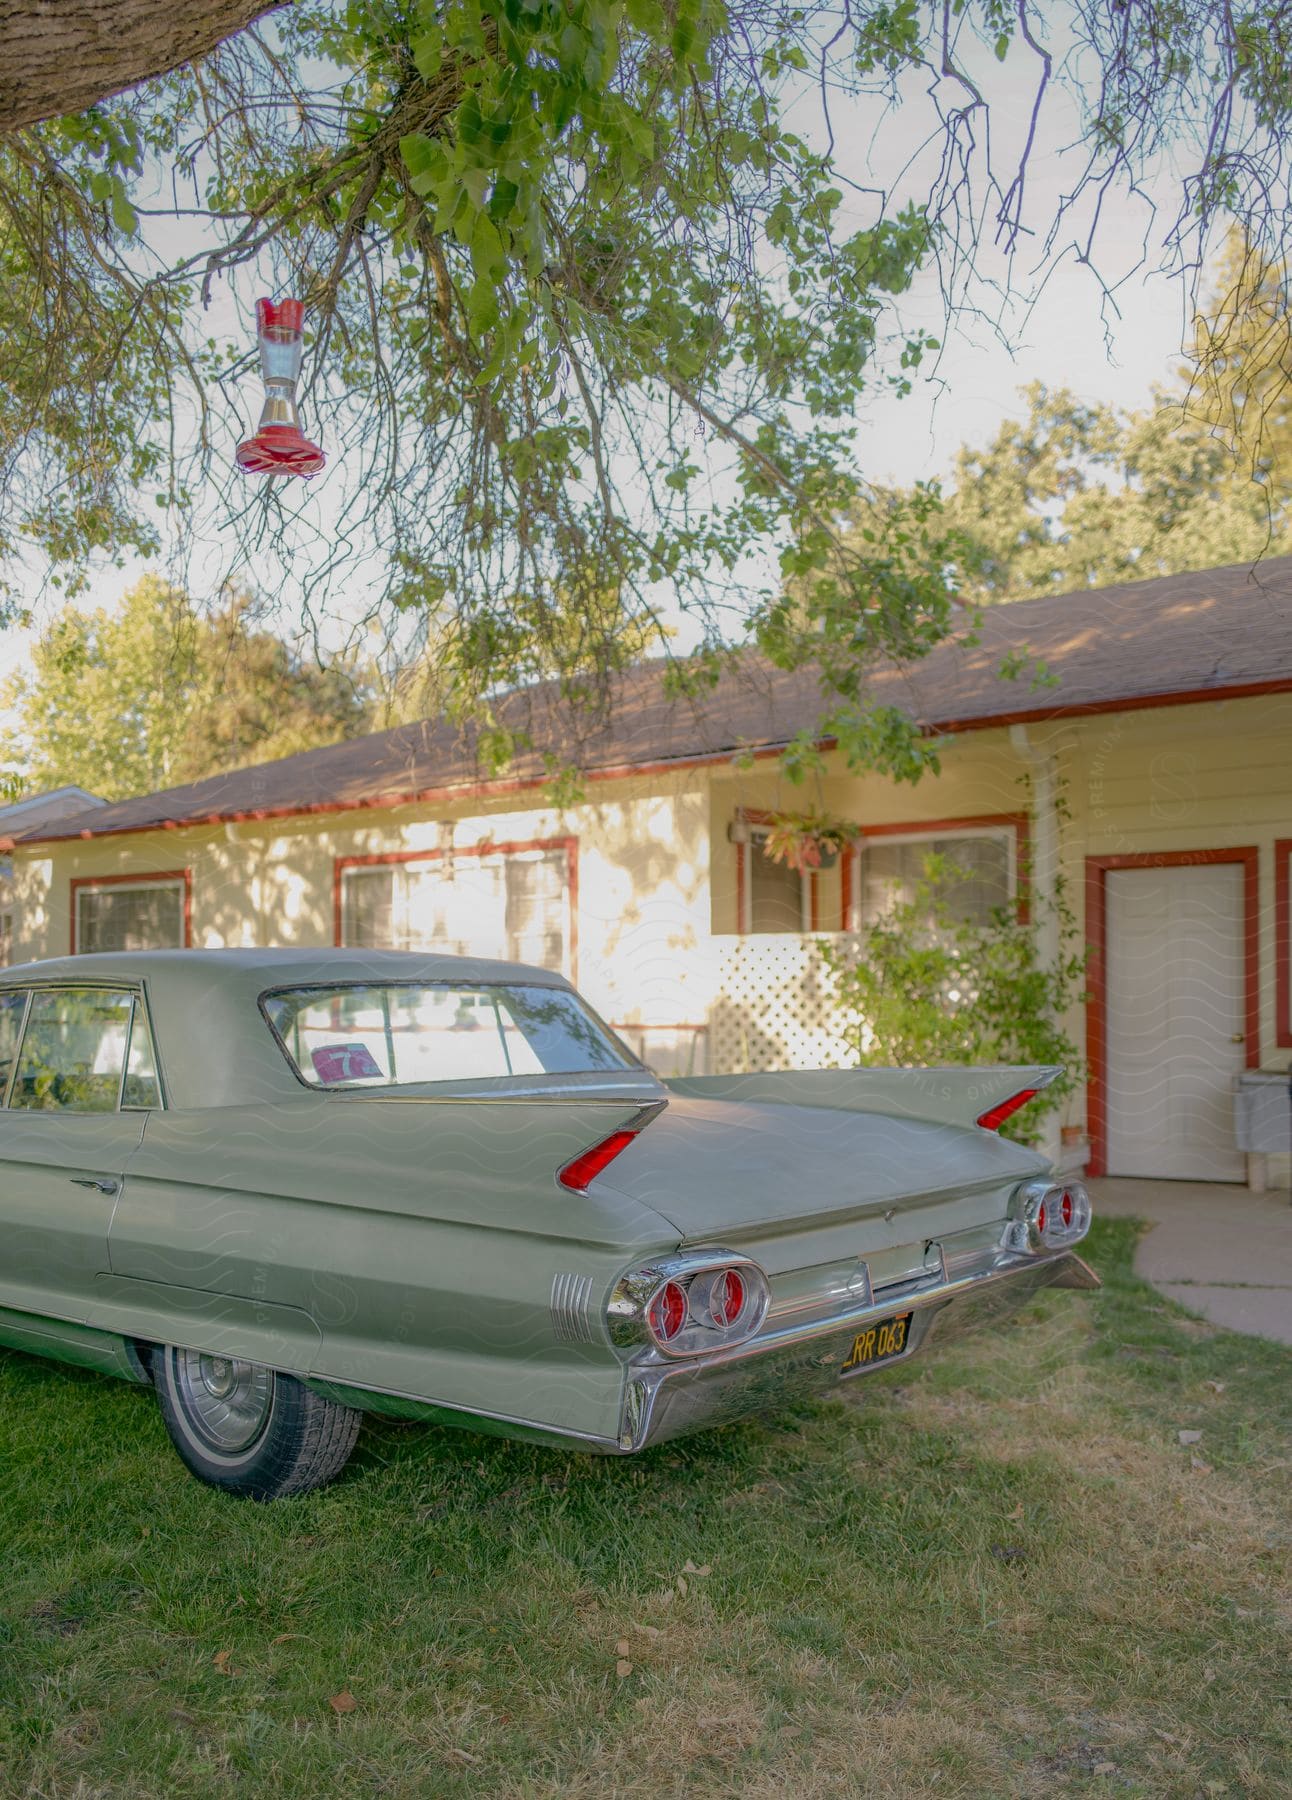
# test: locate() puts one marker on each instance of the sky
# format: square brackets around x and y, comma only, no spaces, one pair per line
[1110,328]
[1017,327]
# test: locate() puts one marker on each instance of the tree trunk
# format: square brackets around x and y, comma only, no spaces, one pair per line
[60,56]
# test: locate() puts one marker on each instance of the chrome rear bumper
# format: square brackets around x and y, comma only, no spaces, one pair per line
[785,1361]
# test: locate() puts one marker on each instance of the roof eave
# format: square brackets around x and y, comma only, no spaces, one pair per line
[660,765]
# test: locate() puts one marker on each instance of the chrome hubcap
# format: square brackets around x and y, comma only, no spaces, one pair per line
[226,1402]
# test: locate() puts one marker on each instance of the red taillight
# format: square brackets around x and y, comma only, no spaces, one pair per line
[588,1164]
[667,1312]
[1045,1216]
[689,1304]
[727,1298]
[995,1116]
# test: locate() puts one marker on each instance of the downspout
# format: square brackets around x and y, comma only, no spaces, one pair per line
[1043,767]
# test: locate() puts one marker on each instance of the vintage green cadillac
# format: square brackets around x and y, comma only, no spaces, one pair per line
[290,1186]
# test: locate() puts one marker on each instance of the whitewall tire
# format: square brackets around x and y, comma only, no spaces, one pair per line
[248,1429]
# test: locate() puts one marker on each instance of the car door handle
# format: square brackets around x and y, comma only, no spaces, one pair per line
[103,1184]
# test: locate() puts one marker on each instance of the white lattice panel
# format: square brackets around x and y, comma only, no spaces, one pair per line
[749,1003]
[776,1007]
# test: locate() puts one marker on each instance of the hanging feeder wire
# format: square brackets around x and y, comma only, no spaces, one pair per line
[280,447]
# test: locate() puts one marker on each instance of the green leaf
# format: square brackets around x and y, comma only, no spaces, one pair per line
[428,54]
[646,16]
[425,161]
[503,199]
[124,216]
[488,256]
[482,307]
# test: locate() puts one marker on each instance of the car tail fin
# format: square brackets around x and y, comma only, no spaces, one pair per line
[950,1096]
[583,1169]
[995,1116]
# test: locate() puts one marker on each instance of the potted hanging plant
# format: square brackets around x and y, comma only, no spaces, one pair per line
[808,840]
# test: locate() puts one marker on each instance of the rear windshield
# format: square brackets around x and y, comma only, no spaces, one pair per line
[399,1034]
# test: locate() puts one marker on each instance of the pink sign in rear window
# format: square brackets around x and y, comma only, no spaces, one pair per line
[344,1062]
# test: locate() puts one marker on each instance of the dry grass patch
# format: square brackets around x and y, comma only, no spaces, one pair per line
[993,1572]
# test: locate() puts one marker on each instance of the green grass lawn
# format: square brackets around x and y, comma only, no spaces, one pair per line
[992,1571]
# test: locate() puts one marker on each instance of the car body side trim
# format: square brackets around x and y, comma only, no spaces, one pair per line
[449,1412]
[71,1341]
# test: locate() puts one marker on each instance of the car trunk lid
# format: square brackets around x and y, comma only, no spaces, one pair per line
[796,1184]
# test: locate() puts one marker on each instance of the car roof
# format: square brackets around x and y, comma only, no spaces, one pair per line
[214,1046]
[274,965]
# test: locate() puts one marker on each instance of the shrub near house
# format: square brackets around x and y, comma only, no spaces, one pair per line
[927,986]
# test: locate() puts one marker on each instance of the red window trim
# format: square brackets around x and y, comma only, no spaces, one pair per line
[1283,941]
[511,847]
[1097,868]
[1017,822]
[154,878]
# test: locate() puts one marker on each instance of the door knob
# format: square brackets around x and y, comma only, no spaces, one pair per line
[102,1184]
[1238,1038]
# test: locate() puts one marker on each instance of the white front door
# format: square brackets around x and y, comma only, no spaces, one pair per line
[1174,964]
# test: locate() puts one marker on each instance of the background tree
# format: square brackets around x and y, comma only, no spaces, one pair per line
[159,693]
[545,244]
[1238,380]
[1074,496]
[594,628]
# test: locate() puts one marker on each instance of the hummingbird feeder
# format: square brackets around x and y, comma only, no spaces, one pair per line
[280,447]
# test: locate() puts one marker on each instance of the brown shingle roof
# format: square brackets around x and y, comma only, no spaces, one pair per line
[1209,635]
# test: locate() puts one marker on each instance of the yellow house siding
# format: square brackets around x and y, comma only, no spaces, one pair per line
[1213,776]
[979,774]
[643,877]
[657,873]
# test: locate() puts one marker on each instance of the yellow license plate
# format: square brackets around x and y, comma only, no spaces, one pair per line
[878,1343]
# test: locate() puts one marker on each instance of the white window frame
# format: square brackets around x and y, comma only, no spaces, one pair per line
[178,883]
[396,863]
[1006,834]
[748,847]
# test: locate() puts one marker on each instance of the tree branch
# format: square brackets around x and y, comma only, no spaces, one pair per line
[62,56]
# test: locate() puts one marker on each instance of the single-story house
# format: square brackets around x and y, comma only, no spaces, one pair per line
[1154,774]
[32,813]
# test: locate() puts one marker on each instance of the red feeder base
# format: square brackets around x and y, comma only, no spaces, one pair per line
[280,450]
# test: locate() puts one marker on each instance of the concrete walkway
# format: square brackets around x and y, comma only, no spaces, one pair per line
[1219,1250]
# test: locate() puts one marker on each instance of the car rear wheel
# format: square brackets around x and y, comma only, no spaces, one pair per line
[248,1429]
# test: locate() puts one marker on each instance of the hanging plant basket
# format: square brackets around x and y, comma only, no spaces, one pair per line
[809,841]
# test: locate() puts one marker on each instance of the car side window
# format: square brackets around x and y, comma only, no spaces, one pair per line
[12,1006]
[141,1089]
[73,1051]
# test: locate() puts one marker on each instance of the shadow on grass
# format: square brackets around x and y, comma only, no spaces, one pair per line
[897,1560]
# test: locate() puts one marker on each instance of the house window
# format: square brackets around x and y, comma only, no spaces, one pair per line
[6,939]
[889,870]
[147,912]
[770,897]
[513,904]
[777,897]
